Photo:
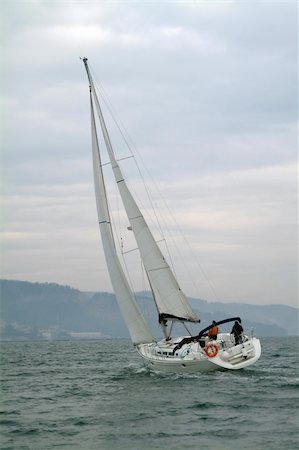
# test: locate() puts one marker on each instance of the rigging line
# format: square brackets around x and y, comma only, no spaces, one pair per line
[118,215]
[118,239]
[113,113]
[122,129]
[117,122]
[159,268]
[130,251]
[183,236]
[117,235]
[149,196]
[134,249]
[126,269]
[119,159]
[150,199]
[125,157]
[191,250]
[116,223]
[114,116]
[158,221]
[146,305]
[154,209]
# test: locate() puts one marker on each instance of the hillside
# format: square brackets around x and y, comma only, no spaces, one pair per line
[51,311]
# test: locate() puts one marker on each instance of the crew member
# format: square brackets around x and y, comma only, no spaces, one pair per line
[212,333]
[237,331]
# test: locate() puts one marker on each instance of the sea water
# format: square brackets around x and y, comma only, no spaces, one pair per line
[97,395]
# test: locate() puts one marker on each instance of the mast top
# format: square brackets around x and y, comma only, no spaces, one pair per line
[84,59]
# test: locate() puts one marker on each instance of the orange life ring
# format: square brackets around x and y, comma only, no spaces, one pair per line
[211,350]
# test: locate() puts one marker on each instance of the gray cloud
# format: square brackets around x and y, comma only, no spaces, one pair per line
[209,93]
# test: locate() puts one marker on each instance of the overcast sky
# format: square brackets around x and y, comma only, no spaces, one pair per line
[208,93]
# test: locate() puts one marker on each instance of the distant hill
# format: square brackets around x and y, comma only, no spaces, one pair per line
[51,311]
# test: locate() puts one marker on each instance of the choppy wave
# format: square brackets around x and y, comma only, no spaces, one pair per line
[98,395]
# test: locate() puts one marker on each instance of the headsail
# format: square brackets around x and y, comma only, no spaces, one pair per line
[137,327]
[170,300]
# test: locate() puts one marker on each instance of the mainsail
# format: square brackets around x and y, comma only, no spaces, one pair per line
[170,300]
[137,327]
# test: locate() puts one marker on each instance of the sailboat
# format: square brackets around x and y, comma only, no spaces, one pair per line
[189,353]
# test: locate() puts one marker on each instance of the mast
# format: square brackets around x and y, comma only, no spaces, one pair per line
[138,329]
[171,302]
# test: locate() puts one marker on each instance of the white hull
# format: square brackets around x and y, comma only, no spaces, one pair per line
[192,358]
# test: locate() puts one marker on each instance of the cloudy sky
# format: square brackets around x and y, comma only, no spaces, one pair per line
[207,91]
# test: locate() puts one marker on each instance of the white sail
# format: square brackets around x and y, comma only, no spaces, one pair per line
[194,353]
[137,327]
[170,300]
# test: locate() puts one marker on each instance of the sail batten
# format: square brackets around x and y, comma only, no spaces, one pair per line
[169,297]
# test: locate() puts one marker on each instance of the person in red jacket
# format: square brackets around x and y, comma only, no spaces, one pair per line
[212,333]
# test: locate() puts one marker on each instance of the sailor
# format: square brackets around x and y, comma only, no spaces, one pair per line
[237,331]
[212,333]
